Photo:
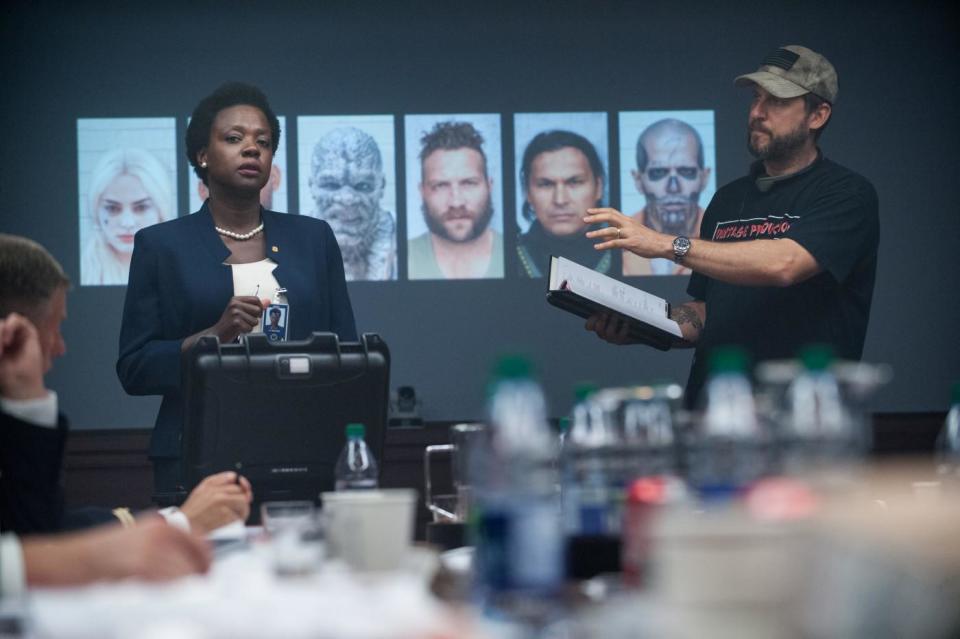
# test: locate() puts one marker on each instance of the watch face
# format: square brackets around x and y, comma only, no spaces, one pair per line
[680,246]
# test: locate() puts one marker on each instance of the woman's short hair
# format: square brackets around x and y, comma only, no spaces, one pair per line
[141,164]
[228,95]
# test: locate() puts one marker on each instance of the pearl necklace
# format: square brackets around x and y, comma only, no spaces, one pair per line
[239,236]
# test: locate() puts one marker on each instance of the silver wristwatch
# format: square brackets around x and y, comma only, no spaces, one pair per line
[681,246]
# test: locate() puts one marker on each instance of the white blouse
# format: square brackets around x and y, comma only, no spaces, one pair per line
[256,279]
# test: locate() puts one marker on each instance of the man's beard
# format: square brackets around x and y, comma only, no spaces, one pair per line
[780,147]
[480,223]
[673,215]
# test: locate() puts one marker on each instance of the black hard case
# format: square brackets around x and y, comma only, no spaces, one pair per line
[245,410]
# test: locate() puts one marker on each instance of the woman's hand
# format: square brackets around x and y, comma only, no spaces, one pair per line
[624,232]
[241,315]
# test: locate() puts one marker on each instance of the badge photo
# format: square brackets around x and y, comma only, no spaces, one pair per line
[274,322]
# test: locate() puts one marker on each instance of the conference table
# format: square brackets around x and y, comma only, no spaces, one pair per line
[879,559]
[244,596]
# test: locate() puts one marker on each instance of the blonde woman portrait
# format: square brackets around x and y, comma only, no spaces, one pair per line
[129,189]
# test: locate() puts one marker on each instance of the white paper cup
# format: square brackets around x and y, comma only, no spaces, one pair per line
[370,530]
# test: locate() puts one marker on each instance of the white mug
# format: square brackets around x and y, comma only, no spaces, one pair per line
[370,529]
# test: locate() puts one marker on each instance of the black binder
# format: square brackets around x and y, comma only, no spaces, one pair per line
[584,305]
[276,412]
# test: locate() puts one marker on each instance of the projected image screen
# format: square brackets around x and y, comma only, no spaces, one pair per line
[273,196]
[667,162]
[126,169]
[561,161]
[454,197]
[347,177]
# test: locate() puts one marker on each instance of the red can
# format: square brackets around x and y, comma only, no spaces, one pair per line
[644,497]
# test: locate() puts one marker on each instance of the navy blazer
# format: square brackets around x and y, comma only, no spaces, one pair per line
[31,497]
[179,285]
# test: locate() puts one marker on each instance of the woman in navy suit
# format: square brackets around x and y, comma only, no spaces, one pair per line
[213,272]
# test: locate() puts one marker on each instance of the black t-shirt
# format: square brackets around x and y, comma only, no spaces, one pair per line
[831,212]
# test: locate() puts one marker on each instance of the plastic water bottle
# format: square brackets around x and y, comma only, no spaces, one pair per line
[519,543]
[818,430]
[563,427]
[356,468]
[646,419]
[730,448]
[585,481]
[596,472]
[948,442]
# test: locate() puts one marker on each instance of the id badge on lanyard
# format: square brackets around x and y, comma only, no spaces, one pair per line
[276,317]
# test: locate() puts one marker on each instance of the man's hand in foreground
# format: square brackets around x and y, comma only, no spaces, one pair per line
[610,328]
[151,551]
[21,359]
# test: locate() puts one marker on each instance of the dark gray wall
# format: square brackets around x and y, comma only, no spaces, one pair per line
[895,122]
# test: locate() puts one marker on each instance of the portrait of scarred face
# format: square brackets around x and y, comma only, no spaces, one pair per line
[347,179]
[667,164]
[347,182]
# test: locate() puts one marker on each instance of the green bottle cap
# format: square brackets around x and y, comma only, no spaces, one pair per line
[564,424]
[955,393]
[355,430]
[583,390]
[728,359]
[512,367]
[816,357]
[508,368]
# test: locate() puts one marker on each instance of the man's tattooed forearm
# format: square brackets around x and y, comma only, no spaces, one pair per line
[683,314]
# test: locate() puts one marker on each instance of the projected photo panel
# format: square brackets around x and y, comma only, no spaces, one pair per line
[561,161]
[454,197]
[667,167]
[126,169]
[273,196]
[347,167]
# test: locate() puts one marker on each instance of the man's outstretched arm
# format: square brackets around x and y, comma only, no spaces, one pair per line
[781,262]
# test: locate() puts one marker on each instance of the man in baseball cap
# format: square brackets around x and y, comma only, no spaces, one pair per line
[794,91]
[792,71]
[787,254]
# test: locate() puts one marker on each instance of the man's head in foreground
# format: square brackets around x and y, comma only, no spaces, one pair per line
[33,284]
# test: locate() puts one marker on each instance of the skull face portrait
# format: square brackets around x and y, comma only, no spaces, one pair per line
[670,173]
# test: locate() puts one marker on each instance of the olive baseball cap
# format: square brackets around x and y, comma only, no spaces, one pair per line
[792,71]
